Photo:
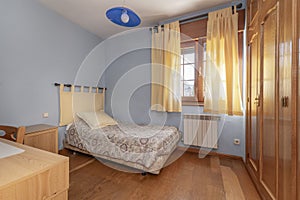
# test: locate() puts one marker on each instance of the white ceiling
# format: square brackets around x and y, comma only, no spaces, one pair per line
[90,14]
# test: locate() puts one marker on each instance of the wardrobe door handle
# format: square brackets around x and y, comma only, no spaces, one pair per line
[257,101]
[285,101]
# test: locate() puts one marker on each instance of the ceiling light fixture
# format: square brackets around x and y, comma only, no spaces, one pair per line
[123,16]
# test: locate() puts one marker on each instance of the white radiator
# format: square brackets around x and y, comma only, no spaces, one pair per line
[201,130]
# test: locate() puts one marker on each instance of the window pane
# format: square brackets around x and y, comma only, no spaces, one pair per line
[189,50]
[189,90]
[188,55]
[181,88]
[189,58]
[189,72]
[202,72]
[181,72]
[181,59]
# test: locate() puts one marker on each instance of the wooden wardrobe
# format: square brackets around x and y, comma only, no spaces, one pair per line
[273,101]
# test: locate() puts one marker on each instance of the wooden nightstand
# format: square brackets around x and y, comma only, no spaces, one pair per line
[42,136]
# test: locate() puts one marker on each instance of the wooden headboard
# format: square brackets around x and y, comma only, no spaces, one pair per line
[73,101]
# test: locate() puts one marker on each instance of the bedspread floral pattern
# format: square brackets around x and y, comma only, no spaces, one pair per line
[128,142]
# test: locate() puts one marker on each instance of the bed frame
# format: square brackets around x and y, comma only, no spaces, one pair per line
[129,166]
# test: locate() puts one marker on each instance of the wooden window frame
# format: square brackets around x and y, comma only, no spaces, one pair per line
[198,98]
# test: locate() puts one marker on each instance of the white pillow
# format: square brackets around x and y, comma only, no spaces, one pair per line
[97,119]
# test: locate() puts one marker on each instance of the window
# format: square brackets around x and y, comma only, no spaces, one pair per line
[193,55]
[188,72]
[193,42]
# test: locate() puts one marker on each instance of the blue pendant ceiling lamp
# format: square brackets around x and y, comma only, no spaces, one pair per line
[123,16]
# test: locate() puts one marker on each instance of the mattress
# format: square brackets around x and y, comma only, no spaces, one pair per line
[142,147]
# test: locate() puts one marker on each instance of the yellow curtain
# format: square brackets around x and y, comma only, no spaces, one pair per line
[165,89]
[222,89]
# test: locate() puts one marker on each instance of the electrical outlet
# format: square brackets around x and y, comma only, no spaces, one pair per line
[236,141]
[45,115]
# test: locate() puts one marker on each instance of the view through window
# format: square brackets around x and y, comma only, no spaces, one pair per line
[193,60]
[188,72]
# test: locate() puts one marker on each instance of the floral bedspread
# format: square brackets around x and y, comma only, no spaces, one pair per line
[128,142]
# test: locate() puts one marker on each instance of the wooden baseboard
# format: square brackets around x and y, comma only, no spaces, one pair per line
[210,153]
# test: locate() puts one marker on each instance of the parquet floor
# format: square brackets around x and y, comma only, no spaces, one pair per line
[188,178]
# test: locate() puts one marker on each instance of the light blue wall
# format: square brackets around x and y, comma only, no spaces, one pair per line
[37,48]
[128,78]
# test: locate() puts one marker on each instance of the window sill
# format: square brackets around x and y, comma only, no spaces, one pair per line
[192,103]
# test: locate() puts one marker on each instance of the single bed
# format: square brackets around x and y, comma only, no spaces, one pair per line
[146,148]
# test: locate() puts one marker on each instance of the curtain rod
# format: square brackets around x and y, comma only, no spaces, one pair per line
[70,85]
[183,21]
[202,14]
[198,17]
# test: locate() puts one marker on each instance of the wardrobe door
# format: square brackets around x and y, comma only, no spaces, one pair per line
[253,96]
[285,89]
[269,139]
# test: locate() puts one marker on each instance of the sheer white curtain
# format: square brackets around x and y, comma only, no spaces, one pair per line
[165,89]
[222,91]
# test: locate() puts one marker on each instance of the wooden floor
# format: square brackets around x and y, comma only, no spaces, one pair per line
[188,178]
